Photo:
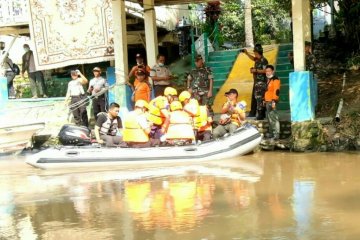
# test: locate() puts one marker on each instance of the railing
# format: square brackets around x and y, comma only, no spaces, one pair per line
[207,36]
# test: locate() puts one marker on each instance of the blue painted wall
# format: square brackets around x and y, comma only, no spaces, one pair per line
[303,96]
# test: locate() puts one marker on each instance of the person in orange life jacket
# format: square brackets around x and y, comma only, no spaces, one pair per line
[159,112]
[142,90]
[96,85]
[75,94]
[107,126]
[200,115]
[232,115]
[271,99]
[133,72]
[180,129]
[137,128]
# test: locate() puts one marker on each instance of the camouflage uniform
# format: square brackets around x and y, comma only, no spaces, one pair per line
[199,84]
[310,62]
[260,86]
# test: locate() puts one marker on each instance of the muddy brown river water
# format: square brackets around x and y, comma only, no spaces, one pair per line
[266,195]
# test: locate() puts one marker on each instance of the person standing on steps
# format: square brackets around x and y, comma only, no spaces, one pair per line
[200,83]
[271,99]
[37,82]
[259,87]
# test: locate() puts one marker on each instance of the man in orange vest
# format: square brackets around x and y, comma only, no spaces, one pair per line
[271,99]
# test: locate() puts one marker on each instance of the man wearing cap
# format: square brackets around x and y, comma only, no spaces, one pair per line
[142,90]
[200,82]
[233,114]
[97,88]
[6,70]
[139,64]
[35,77]
[161,75]
[259,87]
[75,94]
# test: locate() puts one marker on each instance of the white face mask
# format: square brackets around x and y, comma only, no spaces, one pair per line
[269,75]
[161,64]
[26,49]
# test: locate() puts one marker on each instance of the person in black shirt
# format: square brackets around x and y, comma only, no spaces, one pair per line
[107,126]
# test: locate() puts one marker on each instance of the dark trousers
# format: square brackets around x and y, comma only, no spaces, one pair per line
[99,105]
[159,90]
[79,112]
[37,82]
[253,103]
[10,81]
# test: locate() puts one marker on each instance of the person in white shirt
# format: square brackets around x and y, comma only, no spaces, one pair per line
[76,94]
[98,84]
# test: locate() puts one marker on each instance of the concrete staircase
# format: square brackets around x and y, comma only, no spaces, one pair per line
[283,69]
[221,63]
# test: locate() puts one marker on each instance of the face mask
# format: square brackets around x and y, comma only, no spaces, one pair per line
[26,49]
[161,64]
[269,75]
[139,62]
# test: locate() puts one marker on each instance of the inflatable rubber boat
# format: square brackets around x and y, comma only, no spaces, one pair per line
[243,141]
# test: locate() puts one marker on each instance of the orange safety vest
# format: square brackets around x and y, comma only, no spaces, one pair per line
[180,126]
[273,89]
[132,131]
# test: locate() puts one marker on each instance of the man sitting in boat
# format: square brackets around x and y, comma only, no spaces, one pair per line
[137,128]
[180,130]
[200,116]
[233,114]
[159,112]
[107,126]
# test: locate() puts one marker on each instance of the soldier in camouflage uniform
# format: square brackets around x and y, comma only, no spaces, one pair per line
[259,87]
[309,58]
[200,83]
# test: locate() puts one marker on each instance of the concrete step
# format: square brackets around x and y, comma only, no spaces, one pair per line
[286,47]
[221,58]
[283,106]
[283,73]
[284,67]
[221,69]
[233,53]
[283,53]
[220,75]
[228,63]
[282,60]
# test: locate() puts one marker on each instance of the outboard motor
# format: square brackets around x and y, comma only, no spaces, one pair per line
[74,135]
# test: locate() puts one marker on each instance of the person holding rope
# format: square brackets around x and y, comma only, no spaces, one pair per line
[97,84]
[76,95]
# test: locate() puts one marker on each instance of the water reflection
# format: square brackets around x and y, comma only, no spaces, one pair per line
[261,196]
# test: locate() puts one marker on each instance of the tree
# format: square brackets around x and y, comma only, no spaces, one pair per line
[249,38]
